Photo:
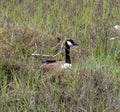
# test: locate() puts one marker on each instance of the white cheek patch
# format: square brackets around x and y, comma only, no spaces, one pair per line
[69,43]
[66,65]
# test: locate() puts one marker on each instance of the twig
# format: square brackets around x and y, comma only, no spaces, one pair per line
[83,109]
[43,55]
[113,38]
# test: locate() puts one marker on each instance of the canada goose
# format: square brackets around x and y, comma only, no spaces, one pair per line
[53,64]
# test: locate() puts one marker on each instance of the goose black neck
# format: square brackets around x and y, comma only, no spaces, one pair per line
[67,54]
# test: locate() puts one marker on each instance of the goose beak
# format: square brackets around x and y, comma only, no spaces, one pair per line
[75,44]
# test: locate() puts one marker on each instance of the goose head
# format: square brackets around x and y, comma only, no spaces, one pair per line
[71,42]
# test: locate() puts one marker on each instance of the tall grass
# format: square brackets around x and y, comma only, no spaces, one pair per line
[92,85]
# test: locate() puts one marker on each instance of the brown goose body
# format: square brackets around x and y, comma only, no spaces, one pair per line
[53,66]
[58,65]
